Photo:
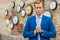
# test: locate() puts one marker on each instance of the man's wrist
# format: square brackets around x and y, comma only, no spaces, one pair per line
[34,32]
[41,31]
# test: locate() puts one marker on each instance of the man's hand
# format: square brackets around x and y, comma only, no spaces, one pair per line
[38,29]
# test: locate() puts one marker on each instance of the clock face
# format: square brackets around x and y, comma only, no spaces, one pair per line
[6,12]
[53,5]
[8,16]
[12,4]
[47,13]
[15,19]
[29,10]
[18,9]
[7,22]
[10,26]
[20,0]
[22,3]
[23,13]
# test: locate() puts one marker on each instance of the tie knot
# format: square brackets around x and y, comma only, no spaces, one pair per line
[38,17]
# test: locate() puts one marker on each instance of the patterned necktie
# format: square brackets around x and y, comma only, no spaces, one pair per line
[38,23]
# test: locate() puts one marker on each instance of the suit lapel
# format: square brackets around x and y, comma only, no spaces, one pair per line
[42,21]
[35,20]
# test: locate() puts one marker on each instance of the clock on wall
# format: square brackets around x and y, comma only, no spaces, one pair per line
[10,26]
[7,22]
[12,5]
[53,5]
[47,13]
[20,0]
[6,12]
[15,20]
[23,13]
[22,3]
[29,10]
[18,9]
[8,16]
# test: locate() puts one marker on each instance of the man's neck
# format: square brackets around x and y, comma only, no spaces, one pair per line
[38,15]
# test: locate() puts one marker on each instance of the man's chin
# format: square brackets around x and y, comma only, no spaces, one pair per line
[38,14]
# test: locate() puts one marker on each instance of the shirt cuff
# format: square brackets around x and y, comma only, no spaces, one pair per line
[42,32]
[34,32]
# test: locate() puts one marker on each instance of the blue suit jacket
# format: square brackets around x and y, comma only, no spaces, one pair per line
[46,25]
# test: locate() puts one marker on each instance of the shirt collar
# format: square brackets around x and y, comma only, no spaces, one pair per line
[39,16]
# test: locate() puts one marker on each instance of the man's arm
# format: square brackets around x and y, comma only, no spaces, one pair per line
[27,32]
[52,32]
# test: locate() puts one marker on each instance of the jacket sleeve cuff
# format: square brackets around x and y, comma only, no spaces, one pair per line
[34,32]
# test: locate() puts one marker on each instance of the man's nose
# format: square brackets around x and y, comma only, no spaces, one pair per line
[39,9]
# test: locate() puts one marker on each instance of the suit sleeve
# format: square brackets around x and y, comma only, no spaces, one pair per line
[27,32]
[52,32]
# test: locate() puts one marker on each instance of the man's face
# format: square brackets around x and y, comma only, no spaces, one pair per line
[38,8]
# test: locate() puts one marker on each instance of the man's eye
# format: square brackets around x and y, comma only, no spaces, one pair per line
[39,7]
[36,7]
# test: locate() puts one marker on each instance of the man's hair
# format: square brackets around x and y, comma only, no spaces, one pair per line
[38,2]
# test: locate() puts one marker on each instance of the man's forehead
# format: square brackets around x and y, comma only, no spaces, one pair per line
[40,4]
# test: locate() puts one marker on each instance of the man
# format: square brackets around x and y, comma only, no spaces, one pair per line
[39,27]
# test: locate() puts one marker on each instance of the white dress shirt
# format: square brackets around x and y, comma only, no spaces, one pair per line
[38,22]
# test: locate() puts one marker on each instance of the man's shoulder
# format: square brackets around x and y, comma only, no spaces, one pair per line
[47,18]
[31,17]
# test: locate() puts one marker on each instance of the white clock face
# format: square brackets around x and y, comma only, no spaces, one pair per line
[7,22]
[12,4]
[22,3]
[20,0]
[15,19]
[6,12]
[53,5]
[18,9]
[28,10]
[47,13]
[10,26]
[23,13]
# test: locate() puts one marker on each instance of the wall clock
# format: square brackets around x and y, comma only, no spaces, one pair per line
[18,9]
[22,3]
[12,5]
[6,12]
[7,22]
[20,0]
[15,19]
[53,5]
[23,13]
[8,16]
[29,10]
[10,26]
[47,13]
